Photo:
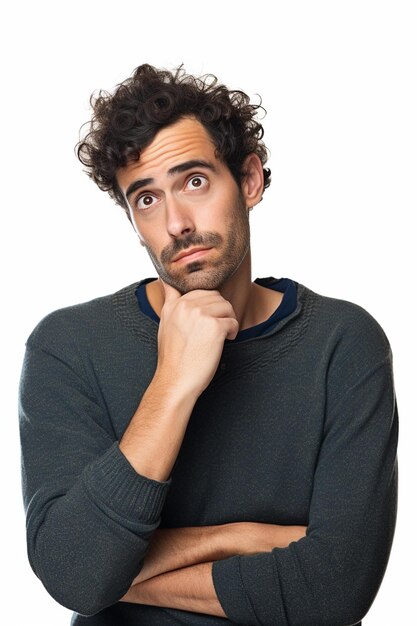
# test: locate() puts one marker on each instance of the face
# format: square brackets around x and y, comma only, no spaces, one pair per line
[182,198]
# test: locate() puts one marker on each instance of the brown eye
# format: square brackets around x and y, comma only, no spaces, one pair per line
[145,201]
[197,182]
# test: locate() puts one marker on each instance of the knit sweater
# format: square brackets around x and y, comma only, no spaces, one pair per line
[298,426]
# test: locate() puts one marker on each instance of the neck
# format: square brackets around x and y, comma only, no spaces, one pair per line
[239,291]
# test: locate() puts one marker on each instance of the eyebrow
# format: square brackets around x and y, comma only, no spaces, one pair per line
[177,169]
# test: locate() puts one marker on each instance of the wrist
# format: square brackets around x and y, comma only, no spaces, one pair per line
[246,538]
[166,385]
[230,539]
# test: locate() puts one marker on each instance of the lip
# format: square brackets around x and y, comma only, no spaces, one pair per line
[190,253]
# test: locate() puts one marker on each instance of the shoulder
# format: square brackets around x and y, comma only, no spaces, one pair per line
[350,316]
[81,320]
[349,330]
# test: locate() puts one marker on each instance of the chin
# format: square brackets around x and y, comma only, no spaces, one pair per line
[195,279]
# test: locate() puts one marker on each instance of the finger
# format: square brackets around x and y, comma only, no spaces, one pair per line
[217,308]
[231,327]
[170,292]
[193,294]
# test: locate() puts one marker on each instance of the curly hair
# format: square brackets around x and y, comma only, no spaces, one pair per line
[126,121]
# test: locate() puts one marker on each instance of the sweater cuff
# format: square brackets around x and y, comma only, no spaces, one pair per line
[256,573]
[114,484]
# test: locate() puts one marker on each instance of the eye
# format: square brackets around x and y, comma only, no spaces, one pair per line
[145,201]
[197,182]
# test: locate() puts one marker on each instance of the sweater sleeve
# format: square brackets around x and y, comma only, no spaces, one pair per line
[89,514]
[331,576]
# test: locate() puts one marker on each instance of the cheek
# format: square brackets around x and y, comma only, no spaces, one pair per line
[151,236]
[144,239]
[153,248]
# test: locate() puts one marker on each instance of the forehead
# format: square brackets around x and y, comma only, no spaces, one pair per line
[182,141]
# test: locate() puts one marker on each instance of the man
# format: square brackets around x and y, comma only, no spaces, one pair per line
[199,448]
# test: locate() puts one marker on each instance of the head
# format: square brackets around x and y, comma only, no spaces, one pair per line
[153,127]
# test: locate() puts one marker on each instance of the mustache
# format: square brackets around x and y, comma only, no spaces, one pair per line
[209,239]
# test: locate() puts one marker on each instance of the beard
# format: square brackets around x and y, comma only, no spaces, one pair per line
[203,273]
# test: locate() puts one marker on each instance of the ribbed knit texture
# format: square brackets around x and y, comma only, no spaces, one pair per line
[298,426]
[113,479]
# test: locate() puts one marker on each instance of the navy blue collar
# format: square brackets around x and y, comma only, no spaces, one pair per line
[288,304]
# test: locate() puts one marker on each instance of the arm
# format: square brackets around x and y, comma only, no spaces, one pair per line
[333,574]
[176,548]
[92,504]
[193,326]
[189,589]
[90,515]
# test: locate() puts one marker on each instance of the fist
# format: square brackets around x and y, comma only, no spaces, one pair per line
[191,336]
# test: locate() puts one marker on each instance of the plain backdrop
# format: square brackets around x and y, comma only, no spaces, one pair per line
[338,81]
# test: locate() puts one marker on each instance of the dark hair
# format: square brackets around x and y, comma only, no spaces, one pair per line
[126,121]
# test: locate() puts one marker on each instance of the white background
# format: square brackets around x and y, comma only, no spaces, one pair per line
[338,80]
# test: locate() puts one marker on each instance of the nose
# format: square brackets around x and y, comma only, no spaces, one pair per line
[179,219]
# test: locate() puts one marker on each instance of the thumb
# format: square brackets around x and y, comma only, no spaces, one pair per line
[171,293]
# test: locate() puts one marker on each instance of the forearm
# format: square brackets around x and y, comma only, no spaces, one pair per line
[155,433]
[187,589]
[191,335]
[175,548]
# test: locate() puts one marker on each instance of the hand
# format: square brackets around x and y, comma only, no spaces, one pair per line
[191,337]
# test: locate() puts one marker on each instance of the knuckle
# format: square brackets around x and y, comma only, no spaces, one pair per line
[183,305]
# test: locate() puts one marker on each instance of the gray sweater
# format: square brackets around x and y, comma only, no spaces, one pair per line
[298,426]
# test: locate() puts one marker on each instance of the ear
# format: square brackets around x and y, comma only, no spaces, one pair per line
[253,181]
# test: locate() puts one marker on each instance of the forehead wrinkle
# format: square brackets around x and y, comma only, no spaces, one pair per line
[180,149]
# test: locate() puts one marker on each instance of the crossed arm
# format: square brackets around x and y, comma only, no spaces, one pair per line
[176,572]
